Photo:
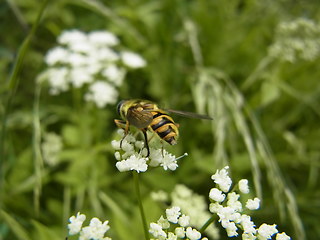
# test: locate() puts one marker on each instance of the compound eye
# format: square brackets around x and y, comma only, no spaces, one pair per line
[119,106]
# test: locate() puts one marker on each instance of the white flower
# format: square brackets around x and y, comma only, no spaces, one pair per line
[155,157]
[133,163]
[164,223]
[193,234]
[57,78]
[215,207]
[123,166]
[132,60]
[101,94]
[282,236]
[253,204]
[233,201]
[139,144]
[173,214]
[163,158]
[266,231]
[228,214]
[102,38]
[156,230]
[231,229]
[171,236]
[72,36]
[243,186]
[79,76]
[76,223]
[222,178]
[169,161]
[194,206]
[77,60]
[81,47]
[248,236]
[51,147]
[114,74]
[247,225]
[56,55]
[184,220]
[160,196]
[117,156]
[297,39]
[180,232]
[115,144]
[216,195]
[105,55]
[138,164]
[95,230]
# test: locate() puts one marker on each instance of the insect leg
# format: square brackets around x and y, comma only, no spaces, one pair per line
[144,130]
[126,131]
[123,125]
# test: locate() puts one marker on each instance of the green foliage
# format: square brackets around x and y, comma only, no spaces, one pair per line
[212,57]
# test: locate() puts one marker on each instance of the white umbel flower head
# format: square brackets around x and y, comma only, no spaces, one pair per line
[89,60]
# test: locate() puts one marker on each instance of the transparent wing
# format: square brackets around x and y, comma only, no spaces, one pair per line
[139,117]
[189,114]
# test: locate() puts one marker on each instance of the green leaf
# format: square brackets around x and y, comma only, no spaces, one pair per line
[15,227]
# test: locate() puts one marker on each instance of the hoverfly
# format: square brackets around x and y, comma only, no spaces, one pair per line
[144,115]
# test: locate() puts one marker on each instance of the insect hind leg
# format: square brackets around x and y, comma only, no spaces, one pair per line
[144,131]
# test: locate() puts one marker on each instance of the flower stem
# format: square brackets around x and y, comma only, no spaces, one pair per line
[208,222]
[143,217]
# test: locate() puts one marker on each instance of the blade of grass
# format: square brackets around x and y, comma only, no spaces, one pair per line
[11,87]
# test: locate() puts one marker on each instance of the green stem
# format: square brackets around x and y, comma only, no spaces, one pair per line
[143,217]
[208,222]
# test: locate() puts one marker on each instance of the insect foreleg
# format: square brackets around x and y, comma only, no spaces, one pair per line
[123,125]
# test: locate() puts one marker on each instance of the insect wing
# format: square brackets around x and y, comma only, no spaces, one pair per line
[139,118]
[189,114]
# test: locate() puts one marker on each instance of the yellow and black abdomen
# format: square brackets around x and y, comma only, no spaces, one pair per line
[165,127]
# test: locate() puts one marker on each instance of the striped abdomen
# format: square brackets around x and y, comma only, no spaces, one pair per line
[165,127]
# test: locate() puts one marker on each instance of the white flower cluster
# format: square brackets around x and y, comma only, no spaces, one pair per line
[89,59]
[229,209]
[96,229]
[299,39]
[195,206]
[132,155]
[51,147]
[175,225]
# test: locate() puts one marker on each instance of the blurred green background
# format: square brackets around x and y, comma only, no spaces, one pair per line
[252,65]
